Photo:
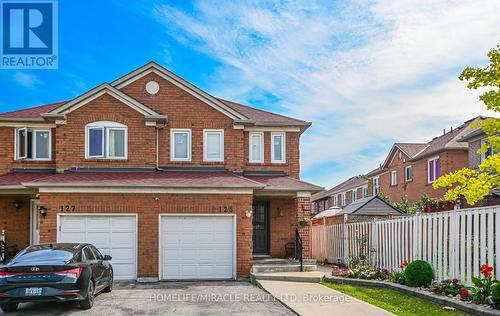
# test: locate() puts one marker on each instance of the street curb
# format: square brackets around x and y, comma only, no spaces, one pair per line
[442,300]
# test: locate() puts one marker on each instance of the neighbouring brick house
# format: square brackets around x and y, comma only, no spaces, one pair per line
[475,141]
[170,181]
[341,195]
[411,168]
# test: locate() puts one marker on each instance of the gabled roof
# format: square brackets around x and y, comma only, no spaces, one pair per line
[241,114]
[261,117]
[284,183]
[33,113]
[98,91]
[198,93]
[353,182]
[409,149]
[172,179]
[374,205]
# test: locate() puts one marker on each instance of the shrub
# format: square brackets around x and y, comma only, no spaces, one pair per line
[418,273]
[495,294]
[398,277]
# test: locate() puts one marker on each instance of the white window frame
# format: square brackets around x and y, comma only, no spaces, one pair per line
[174,131]
[353,195]
[250,143]
[406,173]
[364,191]
[33,144]
[336,200]
[394,177]
[429,170]
[376,188]
[283,147]
[344,199]
[105,126]
[206,132]
[483,154]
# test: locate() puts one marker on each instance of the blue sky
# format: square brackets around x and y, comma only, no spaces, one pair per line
[366,73]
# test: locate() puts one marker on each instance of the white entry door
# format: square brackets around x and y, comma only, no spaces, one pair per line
[197,247]
[113,235]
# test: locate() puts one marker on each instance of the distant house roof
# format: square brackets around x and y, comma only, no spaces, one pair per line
[284,183]
[452,140]
[373,205]
[332,211]
[353,182]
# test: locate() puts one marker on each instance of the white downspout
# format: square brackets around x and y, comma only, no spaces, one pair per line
[157,153]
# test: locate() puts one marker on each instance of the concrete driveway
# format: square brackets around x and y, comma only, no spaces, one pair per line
[179,298]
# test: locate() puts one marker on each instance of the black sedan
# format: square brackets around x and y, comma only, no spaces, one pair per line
[55,272]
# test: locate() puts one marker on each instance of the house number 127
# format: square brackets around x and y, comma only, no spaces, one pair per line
[67,208]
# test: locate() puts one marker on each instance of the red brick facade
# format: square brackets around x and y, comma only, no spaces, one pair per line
[15,223]
[419,185]
[182,110]
[148,207]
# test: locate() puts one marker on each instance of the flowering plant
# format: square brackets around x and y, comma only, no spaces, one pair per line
[403,264]
[483,285]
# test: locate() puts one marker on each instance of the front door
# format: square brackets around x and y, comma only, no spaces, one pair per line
[261,228]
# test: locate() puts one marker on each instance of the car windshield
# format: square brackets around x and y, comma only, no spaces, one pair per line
[34,255]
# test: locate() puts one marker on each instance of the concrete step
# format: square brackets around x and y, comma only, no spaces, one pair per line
[269,261]
[308,277]
[263,268]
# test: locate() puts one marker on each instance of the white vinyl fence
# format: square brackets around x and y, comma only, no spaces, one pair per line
[455,243]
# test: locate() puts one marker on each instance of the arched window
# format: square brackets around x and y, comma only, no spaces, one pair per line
[105,139]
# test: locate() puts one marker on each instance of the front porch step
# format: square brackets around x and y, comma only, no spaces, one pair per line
[270,261]
[264,268]
[308,277]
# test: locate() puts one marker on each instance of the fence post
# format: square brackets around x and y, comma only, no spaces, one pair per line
[416,236]
[346,243]
[374,243]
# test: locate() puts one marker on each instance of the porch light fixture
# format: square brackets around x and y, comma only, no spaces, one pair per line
[42,210]
[17,205]
[281,212]
[248,214]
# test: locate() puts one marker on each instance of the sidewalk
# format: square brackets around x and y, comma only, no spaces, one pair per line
[316,299]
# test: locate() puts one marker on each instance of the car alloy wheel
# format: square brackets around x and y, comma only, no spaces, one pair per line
[88,302]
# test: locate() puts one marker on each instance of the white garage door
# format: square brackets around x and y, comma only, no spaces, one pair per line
[197,247]
[112,235]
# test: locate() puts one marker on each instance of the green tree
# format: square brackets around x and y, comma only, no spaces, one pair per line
[474,185]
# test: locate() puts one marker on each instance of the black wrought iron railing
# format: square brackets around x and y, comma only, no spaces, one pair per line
[298,249]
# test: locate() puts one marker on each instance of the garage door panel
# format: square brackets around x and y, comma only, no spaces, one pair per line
[112,235]
[123,223]
[72,236]
[197,247]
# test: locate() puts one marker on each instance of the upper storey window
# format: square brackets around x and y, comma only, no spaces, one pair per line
[278,147]
[256,147]
[106,140]
[180,144]
[213,145]
[34,144]
[433,169]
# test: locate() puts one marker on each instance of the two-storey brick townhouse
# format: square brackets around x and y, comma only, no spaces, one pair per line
[170,181]
[410,169]
[475,141]
[341,195]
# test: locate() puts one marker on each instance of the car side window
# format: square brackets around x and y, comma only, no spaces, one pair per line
[97,253]
[88,254]
[78,257]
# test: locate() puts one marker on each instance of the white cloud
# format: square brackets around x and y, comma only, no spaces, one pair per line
[26,80]
[366,73]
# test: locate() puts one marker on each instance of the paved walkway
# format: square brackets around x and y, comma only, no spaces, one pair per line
[316,299]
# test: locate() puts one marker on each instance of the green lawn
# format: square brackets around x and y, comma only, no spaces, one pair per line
[392,301]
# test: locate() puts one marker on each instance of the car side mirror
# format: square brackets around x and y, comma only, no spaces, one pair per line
[107,257]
